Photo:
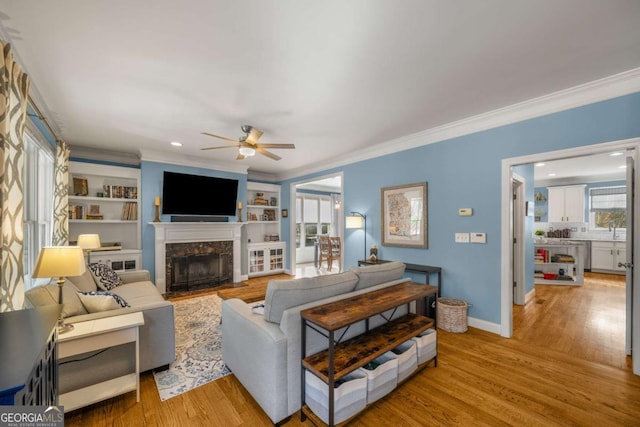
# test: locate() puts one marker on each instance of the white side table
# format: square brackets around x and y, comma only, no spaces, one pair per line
[95,335]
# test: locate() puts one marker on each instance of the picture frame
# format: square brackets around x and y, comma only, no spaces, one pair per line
[270,214]
[404,215]
[80,187]
[285,213]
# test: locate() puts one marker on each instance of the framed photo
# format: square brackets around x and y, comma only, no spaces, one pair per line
[270,214]
[80,187]
[285,213]
[404,215]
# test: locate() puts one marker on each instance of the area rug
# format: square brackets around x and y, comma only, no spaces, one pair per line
[198,347]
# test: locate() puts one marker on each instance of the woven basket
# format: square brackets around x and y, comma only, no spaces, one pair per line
[452,315]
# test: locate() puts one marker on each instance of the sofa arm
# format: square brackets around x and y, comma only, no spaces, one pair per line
[135,276]
[256,352]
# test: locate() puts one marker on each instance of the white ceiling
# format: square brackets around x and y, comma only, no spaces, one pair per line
[333,77]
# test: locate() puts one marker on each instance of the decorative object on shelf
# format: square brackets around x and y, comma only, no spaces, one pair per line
[273,201]
[239,211]
[404,215]
[270,214]
[60,262]
[285,213]
[156,203]
[373,253]
[80,187]
[94,212]
[540,197]
[88,242]
[357,220]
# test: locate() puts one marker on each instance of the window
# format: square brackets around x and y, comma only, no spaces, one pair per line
[313,217]
[38,202]
[608,207]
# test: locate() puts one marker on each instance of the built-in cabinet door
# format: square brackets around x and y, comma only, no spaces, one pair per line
[620,256]
[601,255]
[574,204]
[555,200]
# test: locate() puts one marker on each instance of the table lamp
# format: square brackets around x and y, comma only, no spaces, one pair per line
[89,242]
[60,262]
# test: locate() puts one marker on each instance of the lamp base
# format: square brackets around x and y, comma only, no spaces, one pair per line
[64,328]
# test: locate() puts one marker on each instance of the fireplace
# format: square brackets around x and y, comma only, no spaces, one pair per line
[196,233]
[198,265]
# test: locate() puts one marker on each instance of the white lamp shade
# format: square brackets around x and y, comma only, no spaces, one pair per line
[89,241]
[354,222]
[59,261]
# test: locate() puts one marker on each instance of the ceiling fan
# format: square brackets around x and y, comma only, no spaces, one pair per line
[248,144]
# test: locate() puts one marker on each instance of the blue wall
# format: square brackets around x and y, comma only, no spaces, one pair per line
[151,182]
[466,172]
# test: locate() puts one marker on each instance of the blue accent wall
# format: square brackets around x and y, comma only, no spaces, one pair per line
[151,182]
[466,172]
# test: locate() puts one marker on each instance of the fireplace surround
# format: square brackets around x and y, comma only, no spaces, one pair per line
[167,233]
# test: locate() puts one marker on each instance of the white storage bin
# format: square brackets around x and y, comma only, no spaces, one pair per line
[350,397]
[383,378]
[407,358]
[426,345]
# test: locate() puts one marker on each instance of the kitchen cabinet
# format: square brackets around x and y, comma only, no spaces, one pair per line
[605,256]
[566,204]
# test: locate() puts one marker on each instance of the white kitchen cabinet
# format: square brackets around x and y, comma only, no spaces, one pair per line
[566,204]
[605,256]
[266,258]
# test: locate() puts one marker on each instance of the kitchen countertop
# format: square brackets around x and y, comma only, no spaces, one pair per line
[579,239]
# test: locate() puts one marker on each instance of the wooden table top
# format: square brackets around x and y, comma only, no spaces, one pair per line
[344,312]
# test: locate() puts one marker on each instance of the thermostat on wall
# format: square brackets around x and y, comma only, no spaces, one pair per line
[465,211]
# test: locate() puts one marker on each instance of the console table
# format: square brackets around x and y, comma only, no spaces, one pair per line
[427,270]
[28,369]
[95,335]
[342,358]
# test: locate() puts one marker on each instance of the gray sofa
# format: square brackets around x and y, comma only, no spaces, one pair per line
[157,335]
[262,346]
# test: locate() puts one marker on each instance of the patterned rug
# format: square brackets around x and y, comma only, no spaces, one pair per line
[198,347]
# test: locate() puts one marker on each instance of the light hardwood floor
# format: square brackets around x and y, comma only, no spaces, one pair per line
[565,365]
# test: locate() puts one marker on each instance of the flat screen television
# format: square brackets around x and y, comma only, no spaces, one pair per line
[185,194]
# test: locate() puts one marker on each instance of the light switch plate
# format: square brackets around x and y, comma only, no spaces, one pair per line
[462,237]
[465,211]
[478,237]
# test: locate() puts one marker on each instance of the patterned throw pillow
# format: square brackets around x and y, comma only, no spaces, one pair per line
[104,276]
[96,301]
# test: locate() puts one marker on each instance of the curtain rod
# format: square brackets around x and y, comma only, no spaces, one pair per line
[41,117]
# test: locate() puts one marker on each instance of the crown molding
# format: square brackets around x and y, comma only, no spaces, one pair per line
[183,160]
[621,84]
[100,155]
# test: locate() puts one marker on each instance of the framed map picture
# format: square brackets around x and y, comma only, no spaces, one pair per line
[404,215]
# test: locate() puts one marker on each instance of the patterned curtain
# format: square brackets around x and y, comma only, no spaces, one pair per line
[14,90]
[61,196]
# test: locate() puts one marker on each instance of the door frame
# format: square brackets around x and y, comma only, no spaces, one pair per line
[517,217]
[292,215]
[506,236]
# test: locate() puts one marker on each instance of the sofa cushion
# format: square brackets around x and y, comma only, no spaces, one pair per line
[139,293]
[97,301]
[104,276]
[48,295]
[284,294]
[375,274]
[84,282]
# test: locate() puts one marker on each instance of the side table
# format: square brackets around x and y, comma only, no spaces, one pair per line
[95,335]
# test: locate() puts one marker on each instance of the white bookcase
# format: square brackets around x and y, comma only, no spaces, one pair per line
[266,252]
[105,200]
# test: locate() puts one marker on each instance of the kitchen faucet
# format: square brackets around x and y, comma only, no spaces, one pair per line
[611,224]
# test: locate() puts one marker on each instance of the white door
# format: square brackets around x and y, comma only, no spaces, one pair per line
[630,334]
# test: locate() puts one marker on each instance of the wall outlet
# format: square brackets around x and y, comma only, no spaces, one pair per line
[462,237]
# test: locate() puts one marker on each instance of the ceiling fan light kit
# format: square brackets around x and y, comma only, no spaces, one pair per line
[248,144]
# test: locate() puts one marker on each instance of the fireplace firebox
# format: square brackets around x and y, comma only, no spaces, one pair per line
[198,265]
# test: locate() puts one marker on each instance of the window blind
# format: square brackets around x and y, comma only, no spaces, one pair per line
[609,199]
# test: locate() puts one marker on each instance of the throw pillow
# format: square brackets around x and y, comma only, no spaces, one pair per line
[96,301]
[104,276]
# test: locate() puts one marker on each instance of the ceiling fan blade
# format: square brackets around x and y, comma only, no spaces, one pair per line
[240,157]
[276,145]
[226,146]
[254,136]
[267,153]
[220,137]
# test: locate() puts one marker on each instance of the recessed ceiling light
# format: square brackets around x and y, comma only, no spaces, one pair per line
[176,144]
[539,164]
[617,153]
[552,174]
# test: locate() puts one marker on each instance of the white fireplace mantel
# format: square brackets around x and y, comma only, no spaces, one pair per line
[187,232]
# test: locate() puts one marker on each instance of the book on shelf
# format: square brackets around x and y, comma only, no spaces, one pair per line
[130,211]
[120,192]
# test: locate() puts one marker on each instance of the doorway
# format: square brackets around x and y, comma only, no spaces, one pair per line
[316,209]
[507,248]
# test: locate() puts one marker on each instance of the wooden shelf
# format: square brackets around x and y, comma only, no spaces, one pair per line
[362,349]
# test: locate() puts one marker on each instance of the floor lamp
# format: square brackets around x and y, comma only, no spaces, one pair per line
[89,242]
[358,220]
[60,262]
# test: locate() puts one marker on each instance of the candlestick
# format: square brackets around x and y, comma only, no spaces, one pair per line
[157,201]
[239,212]
[239,205]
